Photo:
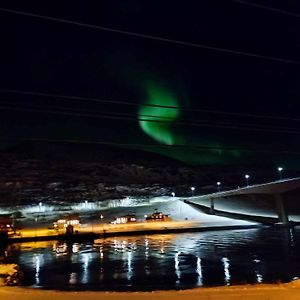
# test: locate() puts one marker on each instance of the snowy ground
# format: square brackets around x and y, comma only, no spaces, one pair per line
[288,291]
[42,215]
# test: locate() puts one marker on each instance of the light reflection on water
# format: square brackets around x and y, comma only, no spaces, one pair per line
[162,261]
[37,269]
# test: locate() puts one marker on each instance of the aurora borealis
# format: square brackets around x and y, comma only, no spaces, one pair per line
[166,131]
[107,70]
[160,131]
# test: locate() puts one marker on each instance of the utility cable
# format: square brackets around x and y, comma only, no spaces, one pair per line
[126,103]
[233,127]
[136,145]
[151,37]
[273,9]
[148,118]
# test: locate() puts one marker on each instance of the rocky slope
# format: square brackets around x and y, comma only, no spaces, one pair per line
[49,172]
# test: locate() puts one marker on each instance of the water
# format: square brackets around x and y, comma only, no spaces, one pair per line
[158,262]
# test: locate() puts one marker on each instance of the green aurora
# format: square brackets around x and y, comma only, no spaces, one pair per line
[166,133]
[159,131]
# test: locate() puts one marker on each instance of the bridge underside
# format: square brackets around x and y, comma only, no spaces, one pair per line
[262,208]
[233,215]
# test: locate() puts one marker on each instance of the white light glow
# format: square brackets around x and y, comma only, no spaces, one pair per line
[177,270]
[129,265]
[199,271]
[226,265]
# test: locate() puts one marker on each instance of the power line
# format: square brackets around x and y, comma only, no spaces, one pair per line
[126,103]
[96,100]
[162,119]
[111,117]
[151,37]
[82,110]
[136,145]
[276,10]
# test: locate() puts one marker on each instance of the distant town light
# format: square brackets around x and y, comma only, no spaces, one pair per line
[85,204]
[247,176]
[193,189]
[173,194]
[280,169]
[40,206]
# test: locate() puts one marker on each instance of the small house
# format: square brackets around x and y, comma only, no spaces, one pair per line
[64,222]
[158,216]
[6,223]
[130,218]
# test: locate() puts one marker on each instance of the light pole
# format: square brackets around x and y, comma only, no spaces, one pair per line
[219,186]
[193,190]
[280,169]
[247,176]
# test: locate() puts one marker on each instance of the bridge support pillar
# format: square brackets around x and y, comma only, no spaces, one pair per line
[282,214]
[212,206]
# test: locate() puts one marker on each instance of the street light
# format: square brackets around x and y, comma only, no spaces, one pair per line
[247,179]
[280,169]
[173,194]
[192,189]
[219,186]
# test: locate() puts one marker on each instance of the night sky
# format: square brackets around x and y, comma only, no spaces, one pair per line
[51,57]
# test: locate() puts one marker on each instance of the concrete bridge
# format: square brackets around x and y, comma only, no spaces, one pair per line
[264,203]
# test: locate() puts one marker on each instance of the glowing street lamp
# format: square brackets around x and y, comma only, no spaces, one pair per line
[192,189]
[173,194]
[219,186]
[280,169]
[247,179]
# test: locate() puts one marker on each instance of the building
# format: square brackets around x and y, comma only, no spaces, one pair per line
[6,225]
[130,218]
[158,216]
[64,222]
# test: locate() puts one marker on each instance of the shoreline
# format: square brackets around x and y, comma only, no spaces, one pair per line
[278,291]
[162,228]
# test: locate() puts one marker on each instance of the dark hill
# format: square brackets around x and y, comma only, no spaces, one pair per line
[87,152]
